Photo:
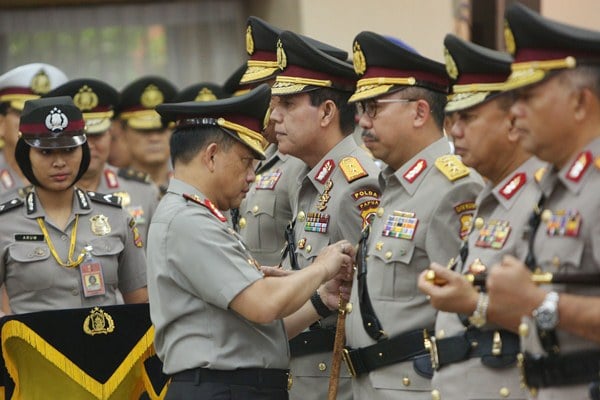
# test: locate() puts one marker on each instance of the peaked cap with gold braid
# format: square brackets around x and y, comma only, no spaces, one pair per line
[94,98]
[541,46]
[477,73]
[139,99]
[29,82]
[203,91]
[384,64]
[241,117]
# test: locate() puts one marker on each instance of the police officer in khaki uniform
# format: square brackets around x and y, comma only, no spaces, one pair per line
[267,209]
[215,333]
[338,187]
[62,247]
[145,134]
[557,113]
[96,100]
[481,129]
[23,83]
[425,212]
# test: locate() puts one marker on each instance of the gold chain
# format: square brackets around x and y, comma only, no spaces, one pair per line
[72,263]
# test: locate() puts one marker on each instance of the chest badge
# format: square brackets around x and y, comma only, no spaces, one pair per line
[493,235]
[564,223]
[316,222]
[99,225]
[325,196]
[268,180]
[401,225]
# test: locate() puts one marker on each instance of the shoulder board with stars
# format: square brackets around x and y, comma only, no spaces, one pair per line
[109,199]
[133,175]
[11,204]
[452,167]
[352,169]
[208,204]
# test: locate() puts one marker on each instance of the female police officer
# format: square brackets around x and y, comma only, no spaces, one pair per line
[59,237]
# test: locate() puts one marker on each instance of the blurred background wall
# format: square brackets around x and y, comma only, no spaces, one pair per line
[190,41]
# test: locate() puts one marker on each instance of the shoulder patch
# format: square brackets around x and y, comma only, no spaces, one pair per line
[110,199]
[9,205]
[452,167]
[352,169]
[206,203]
[133,175]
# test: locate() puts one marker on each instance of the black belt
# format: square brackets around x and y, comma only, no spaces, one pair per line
[561,369]
[312,342]
[258,377]
[400,348]
[497,349]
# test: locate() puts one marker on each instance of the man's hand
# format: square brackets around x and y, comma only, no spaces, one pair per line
[453,294]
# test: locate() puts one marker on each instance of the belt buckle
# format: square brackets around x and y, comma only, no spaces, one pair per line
[430,345]
[290,381]
[348,361]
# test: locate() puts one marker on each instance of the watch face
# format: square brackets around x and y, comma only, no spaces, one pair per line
[546,319]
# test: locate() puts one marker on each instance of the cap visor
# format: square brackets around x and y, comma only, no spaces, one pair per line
[62,142]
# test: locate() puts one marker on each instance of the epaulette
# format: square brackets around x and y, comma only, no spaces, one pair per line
[206,203]
[9,205]
[352,169]
[109,199]
[133,175]
[452,167]
[539,174]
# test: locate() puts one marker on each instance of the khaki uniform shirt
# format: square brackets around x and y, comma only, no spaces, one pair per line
[436,212]
[197,265]
[568,241]
[139,196]
[335,198]
[267,208]
[36,282]
[503,214]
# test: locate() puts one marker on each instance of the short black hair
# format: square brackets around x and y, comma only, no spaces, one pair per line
[340,98]
[436,100]
[187,142]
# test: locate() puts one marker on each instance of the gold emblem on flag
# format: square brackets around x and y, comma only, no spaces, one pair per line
[98,322]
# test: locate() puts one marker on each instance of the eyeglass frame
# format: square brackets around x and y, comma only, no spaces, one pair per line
[361,109]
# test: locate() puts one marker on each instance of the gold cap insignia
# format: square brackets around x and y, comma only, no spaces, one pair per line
[86,99]
[151,97]
[267,118]
[249,41]
[358,59]
[98,322]
[99,225]
[451,67]
[205,94]
[509,39]
[40,83]
[281,57]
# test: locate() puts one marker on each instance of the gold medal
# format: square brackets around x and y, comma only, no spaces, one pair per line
[99,225]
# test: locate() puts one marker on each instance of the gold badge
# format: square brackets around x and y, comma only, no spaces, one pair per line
[281,57]
[100,226]
[205,94]
[86,99]
[451,167]
[509,39]
[451,67]
[98,322]
[40,83]
[358,59]
[249,41]
[125,198]
[151,97]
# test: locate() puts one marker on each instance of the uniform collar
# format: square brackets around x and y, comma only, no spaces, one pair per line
[574,174]
[510,188]
[180,187]
[413,172]
[318,175]
[81,204]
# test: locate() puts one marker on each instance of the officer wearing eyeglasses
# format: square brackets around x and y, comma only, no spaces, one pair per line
[425,212]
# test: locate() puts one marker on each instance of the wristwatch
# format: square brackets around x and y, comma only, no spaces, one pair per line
[546,315]
[479,316]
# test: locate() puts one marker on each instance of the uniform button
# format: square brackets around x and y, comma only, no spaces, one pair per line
[402,252]
[75,292]
[242,223]
[523,330]
[546,215]
[39,251]
[255,209]
[380,212]
[388,255]
[301,216]
[478,223]
[301,243]
[378,246]
[63,238]
[435,395]
[322,366]
[308,248]
[406,381]
[440,334]
[504,392]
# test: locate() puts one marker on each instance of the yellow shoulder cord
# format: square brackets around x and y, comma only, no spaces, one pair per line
[72,263]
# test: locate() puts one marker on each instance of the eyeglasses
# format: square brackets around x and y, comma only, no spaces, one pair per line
[370,107]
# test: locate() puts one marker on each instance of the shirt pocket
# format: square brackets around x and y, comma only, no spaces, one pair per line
[312,246]
[561,254]
[262,213]
[33,269]
[106,250]
[391,270]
